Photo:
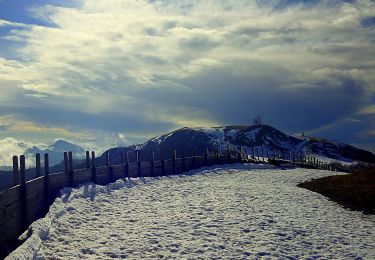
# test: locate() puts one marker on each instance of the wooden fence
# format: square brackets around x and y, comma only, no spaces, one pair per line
[28,201]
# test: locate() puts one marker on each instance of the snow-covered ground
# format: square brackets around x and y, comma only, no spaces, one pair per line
[231,212]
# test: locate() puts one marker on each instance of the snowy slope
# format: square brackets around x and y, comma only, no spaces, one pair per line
[232,212]
[250,136]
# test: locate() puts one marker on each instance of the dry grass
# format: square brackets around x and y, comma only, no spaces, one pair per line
[355,191]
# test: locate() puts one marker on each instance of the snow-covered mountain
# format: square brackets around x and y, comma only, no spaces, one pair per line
[193,141]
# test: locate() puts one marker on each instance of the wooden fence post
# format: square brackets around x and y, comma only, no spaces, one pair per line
[87,160]
[37,165]
[228,155]
[174,156]
[217,155]
[16,174]
[162,165]
[107,158]
[240,155]
[71,170]
[262,154]
[110,168]
[259,153]
[246,154]
[139,166]
[24,211]
[206,157]
[66,162]
[257,148]
[46,182]
[122,159]
[183,162]
[268,155]
[126,159]
[152,164]
[252,153]
[93,167]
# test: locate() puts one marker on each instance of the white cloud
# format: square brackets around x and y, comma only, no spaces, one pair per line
[10,147]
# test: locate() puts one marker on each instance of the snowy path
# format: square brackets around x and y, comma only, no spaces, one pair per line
[225,213]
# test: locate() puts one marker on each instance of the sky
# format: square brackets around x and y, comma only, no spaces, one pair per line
[116,72]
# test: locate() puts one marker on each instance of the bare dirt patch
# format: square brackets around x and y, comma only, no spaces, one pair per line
[355,191]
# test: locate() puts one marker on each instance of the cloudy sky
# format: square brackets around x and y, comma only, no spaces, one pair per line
[115,72]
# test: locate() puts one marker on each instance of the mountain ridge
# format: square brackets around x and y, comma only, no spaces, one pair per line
[189,141]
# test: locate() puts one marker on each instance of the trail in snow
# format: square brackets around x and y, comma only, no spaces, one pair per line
[232,212]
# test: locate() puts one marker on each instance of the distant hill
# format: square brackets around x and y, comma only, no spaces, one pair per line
[56,151]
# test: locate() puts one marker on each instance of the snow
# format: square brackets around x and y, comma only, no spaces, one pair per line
[228,212]
[157,140]
[341,160]
[217,136]
[251,135]
[232,134]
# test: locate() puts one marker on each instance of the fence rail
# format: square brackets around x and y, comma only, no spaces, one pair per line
[28,201]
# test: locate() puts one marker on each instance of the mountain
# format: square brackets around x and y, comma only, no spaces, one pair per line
[192,141]
[56,151]
[336,150]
